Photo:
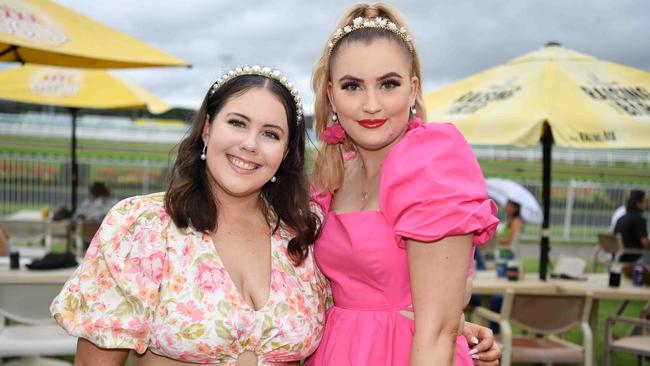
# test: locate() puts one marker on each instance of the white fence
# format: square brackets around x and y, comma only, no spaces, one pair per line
[579,210]
[32,181]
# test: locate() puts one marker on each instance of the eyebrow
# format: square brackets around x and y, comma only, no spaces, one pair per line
[240,115]
[266,125]
[383,77]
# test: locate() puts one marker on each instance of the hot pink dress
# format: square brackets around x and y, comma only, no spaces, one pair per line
[431,187]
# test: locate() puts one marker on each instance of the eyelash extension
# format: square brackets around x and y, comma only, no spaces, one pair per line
[236,122]
[392,82]
[345,86]
[273,135]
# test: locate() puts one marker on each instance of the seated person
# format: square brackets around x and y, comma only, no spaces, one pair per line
[96,205]
[633,227]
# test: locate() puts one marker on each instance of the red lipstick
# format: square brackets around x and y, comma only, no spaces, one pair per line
[372,123]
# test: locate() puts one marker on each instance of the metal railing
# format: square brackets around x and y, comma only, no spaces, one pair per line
[579,210]
[33,181]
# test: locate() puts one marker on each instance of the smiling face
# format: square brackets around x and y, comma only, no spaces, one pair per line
[246,142]
[371,91]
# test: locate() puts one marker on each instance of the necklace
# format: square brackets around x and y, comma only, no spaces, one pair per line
[365,193]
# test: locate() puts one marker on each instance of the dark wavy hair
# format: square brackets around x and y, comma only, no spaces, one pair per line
[635,197]
[517,207]
[189,198]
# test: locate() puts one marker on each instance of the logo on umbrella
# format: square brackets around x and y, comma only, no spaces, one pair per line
[28,23]
[56,83]
[472,101]
[630,100]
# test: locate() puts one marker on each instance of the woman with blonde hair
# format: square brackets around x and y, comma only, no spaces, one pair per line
[405,204]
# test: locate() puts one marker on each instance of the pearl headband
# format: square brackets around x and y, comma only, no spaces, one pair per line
[266,72]
[378,22]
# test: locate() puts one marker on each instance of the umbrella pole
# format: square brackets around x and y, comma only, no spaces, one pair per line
[545,247]
[74,168]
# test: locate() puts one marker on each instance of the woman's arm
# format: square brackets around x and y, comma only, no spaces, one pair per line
[88,354]
[438,277]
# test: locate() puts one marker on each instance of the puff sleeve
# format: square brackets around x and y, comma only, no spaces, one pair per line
[432,187]
[111,298]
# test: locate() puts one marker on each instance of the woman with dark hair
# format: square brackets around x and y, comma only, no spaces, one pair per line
[219,268]
[513,228]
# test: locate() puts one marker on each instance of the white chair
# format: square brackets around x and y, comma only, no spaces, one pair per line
[638,344]
[36,333]
[546,316]
[610,249]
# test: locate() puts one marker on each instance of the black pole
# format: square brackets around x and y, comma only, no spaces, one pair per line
[545,247]
[74,168]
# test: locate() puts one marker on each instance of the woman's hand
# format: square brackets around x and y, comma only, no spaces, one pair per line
[484,350]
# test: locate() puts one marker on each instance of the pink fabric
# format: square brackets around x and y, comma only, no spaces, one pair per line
[431,187]
[436,170]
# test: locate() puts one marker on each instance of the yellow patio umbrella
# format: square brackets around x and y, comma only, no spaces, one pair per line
[43,32]
[553,95]
[75,89]
[587,102]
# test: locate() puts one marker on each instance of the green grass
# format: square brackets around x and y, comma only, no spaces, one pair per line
[516,169]
[87,148]
[532,170]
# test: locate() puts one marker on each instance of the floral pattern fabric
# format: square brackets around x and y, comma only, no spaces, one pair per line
[146,284]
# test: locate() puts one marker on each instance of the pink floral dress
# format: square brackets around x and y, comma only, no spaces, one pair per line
[146,284]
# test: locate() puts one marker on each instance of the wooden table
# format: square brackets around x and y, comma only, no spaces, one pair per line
[28,293]
[597,285]
[27,276]
[486,282]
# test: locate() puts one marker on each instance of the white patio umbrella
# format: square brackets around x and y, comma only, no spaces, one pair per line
[504,190]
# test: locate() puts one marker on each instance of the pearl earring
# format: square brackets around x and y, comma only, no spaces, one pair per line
[205,146]
[335,117]
[273,179]
[413,110]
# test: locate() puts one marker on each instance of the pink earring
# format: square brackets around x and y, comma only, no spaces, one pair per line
[334,134]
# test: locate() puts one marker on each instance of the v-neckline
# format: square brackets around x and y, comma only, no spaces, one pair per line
[239,294]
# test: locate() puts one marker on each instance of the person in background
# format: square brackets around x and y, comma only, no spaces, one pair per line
[618,213]
[513,228]
[633,227]
[94,207]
